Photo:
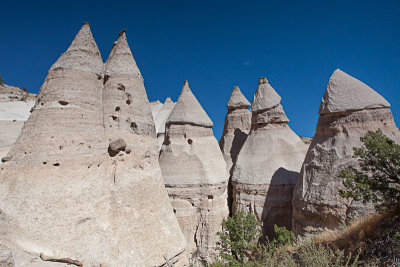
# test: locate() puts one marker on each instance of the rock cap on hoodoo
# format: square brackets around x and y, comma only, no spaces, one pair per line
[188,110]
[265,97]
[82,55]
[163,115]
[346,93]
[237,99]
[120,60]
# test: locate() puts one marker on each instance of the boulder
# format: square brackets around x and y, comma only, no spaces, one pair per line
[348,110]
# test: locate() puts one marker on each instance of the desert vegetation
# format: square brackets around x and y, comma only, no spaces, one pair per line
[372,241]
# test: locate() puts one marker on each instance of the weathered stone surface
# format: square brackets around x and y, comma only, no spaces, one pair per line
[236,128]
[15,106]
[195,176]
[155,108]
[189,110]
[346,93]
[265,97]
[237,99]
[62,195]
[82,55]
[317,203]
[268,164]
[6,257]
[161,119]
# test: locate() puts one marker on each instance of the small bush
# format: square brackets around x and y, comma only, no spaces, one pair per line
[283,236]
[1,81]
[239,237]
[378,179]
[322,256]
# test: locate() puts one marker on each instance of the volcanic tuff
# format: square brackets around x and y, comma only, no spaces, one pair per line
[84,170]
[155,108]
[317,203]
[236,128]
[268,164]
[194,174]
[15,106]
[161,119]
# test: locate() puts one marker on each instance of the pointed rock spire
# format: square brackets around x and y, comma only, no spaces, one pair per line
[237,99]
[265,97]
[82,55]
[345,93]
[120,60]
[188,110]
[155,108]
[163,115]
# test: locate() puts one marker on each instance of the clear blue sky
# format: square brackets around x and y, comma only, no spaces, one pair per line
[216,45]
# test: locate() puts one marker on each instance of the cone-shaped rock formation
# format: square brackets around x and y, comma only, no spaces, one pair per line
[194,174]
[81,185]
[161,119]
[189,110]
[82,55]
[155,108]
[236,128]
[269,162]
[348,110]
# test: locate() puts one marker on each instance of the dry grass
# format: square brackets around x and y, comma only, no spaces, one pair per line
[353,236]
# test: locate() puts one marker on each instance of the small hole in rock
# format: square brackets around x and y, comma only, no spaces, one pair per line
[133,126]
[42,104]
[210,197]
[114,117]
[117,109]
[105,79]
[174,210]
[63,103]
[121,87]
[128,102]
[44,162]
[56,164]
[190,141]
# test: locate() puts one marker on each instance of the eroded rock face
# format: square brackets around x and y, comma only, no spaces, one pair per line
[236,128]
[317,203]
[15,106]
[155,108]
[269,162]
[62,194]
[161,119]
[194,174]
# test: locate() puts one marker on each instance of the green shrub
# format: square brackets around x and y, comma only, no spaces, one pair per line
[238,238]
[283,236]
[378,179]
[1,81]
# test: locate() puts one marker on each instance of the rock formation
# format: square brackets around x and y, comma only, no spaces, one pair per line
[83,181]
[15,106]
[194,174]
[161,119]
[236,128]
[155,108]
[348,110]
[269,162]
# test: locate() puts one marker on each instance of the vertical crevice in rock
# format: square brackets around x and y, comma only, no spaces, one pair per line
[236,128]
